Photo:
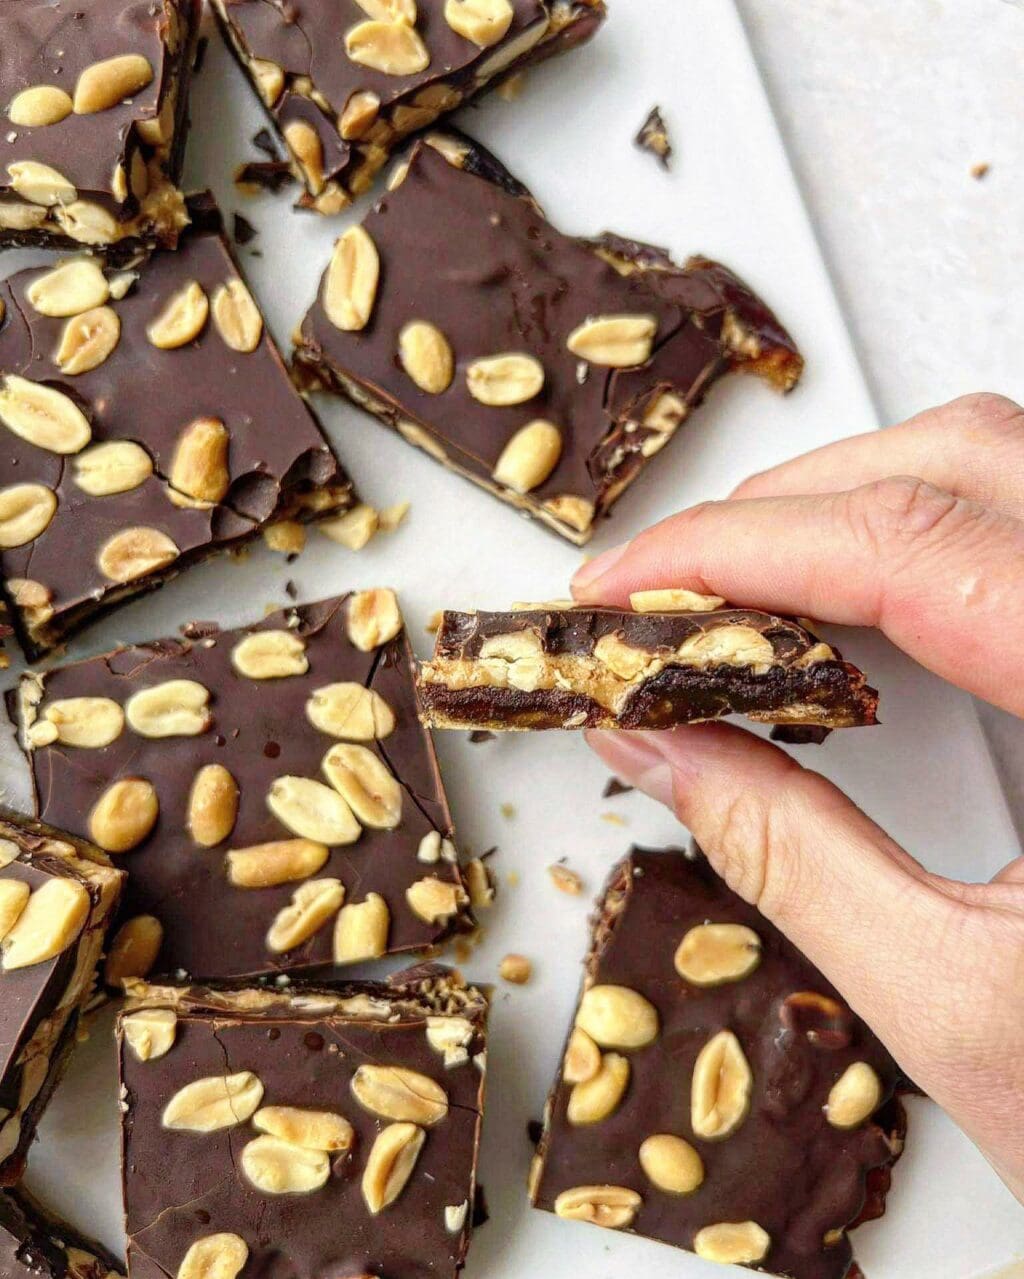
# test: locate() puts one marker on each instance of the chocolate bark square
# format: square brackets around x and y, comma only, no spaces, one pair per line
[270,791]
[346,81]
[547,369]
[57,897]
[96,102]
[716,1092]
[146,421]
[564,666]
[328,1131]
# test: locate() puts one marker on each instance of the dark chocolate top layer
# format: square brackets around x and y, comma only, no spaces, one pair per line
[36,1245]
[576,631]
[784,1167]
[259,731]
[305,39]
[502,279]
[183,1185]
[52,42]
[149,396]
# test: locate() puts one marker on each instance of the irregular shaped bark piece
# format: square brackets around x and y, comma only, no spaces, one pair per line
[559,367]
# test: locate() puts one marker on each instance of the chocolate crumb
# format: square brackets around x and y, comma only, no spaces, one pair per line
[613,787]
[264,141]
[244,231]
[201,48]
[291,590]
[653,137]
[534,1130]
[479,735]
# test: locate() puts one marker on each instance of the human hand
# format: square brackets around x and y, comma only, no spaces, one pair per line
[918,531]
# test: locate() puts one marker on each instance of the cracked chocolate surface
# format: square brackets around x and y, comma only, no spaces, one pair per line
[40,1003]
[502,279]
[51,43]
[278,460]
[35,1244]
[304,1049]
[540,667]
[259,731]
[785,1167]
[304,41]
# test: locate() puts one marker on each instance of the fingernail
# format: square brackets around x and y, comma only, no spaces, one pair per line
[636,760]
[598,566]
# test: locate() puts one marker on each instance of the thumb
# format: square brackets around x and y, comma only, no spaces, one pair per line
[788,841]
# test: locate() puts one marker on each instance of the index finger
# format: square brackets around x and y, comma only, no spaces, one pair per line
[942,577]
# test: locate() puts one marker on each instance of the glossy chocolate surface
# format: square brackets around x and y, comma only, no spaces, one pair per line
[305,39]
[785,1167]
[466,248]
[277,454]
[181,1186]
[52,42]
[259,731]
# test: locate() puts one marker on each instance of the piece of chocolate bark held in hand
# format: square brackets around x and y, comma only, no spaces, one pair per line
[270,789]
[57,897]
[716,1092]
[96,103]
[34,1244]
[547,369]
[146,421]
[560,665]
[337,1128]
[345,81]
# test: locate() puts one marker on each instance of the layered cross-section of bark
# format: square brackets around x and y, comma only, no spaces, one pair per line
[564,666]
[34,1244]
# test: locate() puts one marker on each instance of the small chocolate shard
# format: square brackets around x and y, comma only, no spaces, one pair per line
[479,735]
[653,137]
[243,230]
[613,787]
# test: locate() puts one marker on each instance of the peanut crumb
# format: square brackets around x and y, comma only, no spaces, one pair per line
[566,880]
[614,819]
[508,811]
[434,622]
[516,969]
[287,538]
[391,517]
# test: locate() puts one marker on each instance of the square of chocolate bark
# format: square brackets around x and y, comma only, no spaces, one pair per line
[325,1131]
[547,369]
[146,421]
[57,897]
[96,102]
[560,665]
[270,790]
[34,1244]
[716,1092]
[346,81]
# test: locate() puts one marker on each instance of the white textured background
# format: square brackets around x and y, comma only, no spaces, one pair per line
[885,106]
